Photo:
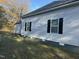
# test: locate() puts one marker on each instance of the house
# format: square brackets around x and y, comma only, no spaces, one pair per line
[57,22]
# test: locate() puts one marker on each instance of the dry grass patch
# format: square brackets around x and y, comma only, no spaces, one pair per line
[13,46]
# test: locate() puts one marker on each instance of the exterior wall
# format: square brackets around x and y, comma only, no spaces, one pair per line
[71,26]
[18,29]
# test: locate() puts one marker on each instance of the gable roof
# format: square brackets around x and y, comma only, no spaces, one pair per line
[49,6]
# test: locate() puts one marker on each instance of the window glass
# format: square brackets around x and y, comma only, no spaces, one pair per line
[54,26]
[55,22]
[54,29]
[27,26]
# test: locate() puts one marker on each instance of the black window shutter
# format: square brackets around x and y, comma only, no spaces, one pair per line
[30,26]
[25,26]
[61,26]
[48,26]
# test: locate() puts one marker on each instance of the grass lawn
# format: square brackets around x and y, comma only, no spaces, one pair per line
[13,46]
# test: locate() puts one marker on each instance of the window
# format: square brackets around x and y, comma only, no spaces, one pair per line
[27,26]
[55,22]
[55,26]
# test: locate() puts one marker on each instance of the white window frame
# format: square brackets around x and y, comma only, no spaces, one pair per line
[51,25]
[27,26]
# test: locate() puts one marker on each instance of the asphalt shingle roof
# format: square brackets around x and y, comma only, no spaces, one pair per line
[49,6]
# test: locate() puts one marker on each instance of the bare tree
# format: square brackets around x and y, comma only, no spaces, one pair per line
[13,11]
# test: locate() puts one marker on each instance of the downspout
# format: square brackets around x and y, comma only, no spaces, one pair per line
[20,21]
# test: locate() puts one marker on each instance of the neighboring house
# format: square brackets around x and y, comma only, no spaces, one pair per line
[57,21]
